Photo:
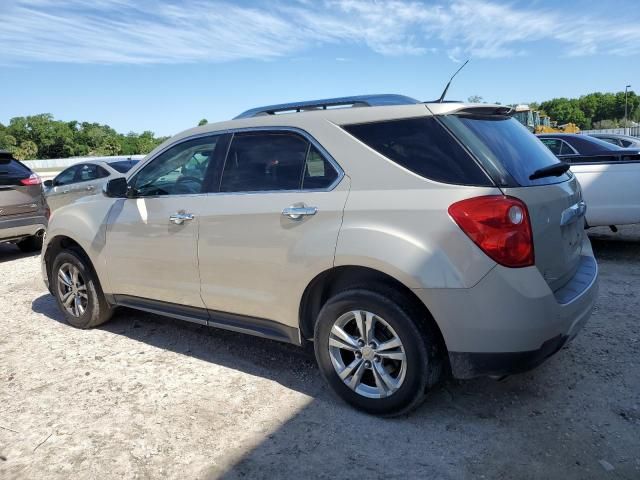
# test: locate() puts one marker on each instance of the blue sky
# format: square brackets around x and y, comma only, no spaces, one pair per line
[162,66]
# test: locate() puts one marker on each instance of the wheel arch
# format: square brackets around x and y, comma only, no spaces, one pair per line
[337,279]
[58,244]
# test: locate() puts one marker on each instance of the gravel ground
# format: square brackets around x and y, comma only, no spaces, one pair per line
[145,396]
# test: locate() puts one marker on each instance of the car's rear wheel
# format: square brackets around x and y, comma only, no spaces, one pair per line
[78,291]
[373,353]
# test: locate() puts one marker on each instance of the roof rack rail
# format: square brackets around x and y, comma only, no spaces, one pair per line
[356,101]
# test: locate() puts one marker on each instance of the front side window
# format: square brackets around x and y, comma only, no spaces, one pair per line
[264,161]
[180,170]
[66,177]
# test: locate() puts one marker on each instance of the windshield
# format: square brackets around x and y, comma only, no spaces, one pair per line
[505,147]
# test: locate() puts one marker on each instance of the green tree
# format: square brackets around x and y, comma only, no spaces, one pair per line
[202,122]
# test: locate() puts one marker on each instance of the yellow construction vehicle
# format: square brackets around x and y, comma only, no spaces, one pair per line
[540,123]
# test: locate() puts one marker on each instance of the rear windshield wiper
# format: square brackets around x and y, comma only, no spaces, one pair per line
[554,170]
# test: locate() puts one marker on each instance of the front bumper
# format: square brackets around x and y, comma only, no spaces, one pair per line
[511,321]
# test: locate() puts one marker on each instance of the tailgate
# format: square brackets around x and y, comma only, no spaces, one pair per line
[557,221]
[16,198]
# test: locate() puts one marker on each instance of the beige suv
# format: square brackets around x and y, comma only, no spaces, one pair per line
[406,240]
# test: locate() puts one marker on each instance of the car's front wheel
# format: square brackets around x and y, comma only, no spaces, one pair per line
[78,291]
[374,353]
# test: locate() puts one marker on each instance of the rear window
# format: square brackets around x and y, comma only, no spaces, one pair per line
[12,170]
[505,147]
[123,166]
[423,146]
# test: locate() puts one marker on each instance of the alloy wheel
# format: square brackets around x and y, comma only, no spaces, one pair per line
[367,354]
[72,290]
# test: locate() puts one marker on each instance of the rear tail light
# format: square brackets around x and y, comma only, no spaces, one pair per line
[32,179]
[499,225]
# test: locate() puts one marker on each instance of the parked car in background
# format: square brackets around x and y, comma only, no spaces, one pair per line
[609,176]
[81,179]
[624,141]
[23,211]
[405,239]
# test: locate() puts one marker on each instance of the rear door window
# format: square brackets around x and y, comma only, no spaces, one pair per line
[552,144]
[265,161]
[423,146]
[505,147]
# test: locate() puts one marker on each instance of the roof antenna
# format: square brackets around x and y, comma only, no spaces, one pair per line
[441,99]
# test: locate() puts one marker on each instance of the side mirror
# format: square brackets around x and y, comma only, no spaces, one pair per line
[48,183]
[116,188]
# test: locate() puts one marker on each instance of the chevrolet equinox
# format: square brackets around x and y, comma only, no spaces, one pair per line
[406,240]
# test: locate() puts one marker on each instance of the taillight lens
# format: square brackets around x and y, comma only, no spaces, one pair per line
[499,225]
[32,179]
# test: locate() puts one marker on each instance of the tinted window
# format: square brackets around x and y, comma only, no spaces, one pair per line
[552,144]
[505,143]
[566,149]
[318,171]
[179,170]
[626,143]
[123,166]
[423,146]
[263,161]
[66,177]
[11,171]
[89,172]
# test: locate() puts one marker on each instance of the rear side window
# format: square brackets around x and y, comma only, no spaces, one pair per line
[318,171]
[506,148]
[264,161]
[423,146]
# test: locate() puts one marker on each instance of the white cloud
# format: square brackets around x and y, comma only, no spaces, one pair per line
[145,31]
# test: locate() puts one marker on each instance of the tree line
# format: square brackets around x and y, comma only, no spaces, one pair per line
[595,110]
[41,136]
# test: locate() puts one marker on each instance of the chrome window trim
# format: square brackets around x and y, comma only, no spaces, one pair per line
[306,135]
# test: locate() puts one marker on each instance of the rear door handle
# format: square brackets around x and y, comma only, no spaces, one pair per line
[90,187]
[180,217]
[296,213]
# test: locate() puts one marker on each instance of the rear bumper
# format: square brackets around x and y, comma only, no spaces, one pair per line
[16,228]
[511,321]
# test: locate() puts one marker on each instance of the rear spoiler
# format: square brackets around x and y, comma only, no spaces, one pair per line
[500,110]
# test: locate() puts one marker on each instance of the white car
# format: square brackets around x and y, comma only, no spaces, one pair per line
[609,176]
[81,179]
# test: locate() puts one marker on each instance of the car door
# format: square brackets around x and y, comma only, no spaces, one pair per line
[57,194]
[151,239]
[610,189]
[272,226]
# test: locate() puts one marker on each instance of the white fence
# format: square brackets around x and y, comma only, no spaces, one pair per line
[62,163]
[633,131]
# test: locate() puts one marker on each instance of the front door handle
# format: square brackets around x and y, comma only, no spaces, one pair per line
[180,217]
[296,213]
[90,187]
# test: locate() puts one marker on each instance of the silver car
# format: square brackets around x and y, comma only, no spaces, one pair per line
[406,240]
[81,179]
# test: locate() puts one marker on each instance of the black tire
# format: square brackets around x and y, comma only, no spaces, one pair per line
[97,310]
[423,362]
[31,244]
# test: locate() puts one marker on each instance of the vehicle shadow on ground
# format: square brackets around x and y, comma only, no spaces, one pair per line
[623,245]
[9,253]
[367,443]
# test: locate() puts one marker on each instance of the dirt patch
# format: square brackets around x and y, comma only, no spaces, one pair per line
[146,396]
